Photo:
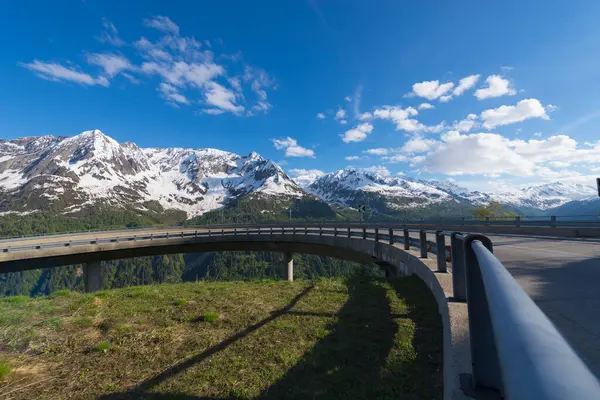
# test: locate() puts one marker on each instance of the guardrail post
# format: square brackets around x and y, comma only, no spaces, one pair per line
[553,221]
[484,354]
[377,234]
[462,221]
[459,283]
[406,240]
[335,231]
[440,241]
[294,231]
[518,221]
[391,234]
[320,231]
[234,231]
[423,243]
[306,230]
[364,233]
[349,234]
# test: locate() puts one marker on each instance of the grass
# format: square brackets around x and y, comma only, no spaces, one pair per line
[359,339]
[103,346]
[15,299]
[5,369]
[210,317]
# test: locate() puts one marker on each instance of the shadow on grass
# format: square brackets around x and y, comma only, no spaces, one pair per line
[347,362]
[139,392]
[370,353]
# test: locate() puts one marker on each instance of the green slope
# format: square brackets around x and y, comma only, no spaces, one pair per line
[359,338]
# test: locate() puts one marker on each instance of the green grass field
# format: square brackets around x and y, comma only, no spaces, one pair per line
[333,339]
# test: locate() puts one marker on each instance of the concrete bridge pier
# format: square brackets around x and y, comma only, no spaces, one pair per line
[288,258]
[92,276]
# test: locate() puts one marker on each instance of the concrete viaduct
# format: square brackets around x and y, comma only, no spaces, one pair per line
[507,363]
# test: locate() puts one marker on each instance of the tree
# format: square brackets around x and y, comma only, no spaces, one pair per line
[493,209]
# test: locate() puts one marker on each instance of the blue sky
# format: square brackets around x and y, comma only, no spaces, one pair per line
[319,84]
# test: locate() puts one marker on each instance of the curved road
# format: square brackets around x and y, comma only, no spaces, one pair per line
[561,275]
[563,278]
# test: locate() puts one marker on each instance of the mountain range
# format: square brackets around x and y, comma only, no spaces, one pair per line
[70,174]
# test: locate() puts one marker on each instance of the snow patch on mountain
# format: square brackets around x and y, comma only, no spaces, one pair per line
[92,167]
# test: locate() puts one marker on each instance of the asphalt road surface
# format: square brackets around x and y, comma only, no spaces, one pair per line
[563,278]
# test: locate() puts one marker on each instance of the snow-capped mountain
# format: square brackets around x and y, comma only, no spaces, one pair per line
[350,186]
[546,196]
[68,173]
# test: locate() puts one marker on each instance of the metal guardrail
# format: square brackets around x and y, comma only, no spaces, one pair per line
[515,349]
[581,221]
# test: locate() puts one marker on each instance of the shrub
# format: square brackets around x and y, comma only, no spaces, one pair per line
[210,317]
[103,347]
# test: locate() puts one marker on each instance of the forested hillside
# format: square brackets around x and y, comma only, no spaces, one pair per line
[167,268]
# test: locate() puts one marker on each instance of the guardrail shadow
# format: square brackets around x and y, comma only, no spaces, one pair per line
[356,361]
[140,390]
[359,359]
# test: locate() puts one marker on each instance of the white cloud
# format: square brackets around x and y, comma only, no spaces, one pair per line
[537,134]
[445,99]
[352,158]
[396,158]
[378,152]
[343,121]
[340,114]
[348,99]
[320,116]
[222,98]
[182,73]
[465,84]
[400,173]
[431,90]
[378,169]
[559,164]
[497,86]
[212,111]
[59,73]
[504,115]
[365,116]
[259,80]
[163,24]
[172,95]
[402,118]
[477,153]
[417,144]
[466,124]
[357,134]
[491,154]
[235,84]
[185,69]
[292,149]
[426,106]
[110,35]
[296,172]
[110,62]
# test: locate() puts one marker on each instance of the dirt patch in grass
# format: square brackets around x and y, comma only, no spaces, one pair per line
[359,339]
